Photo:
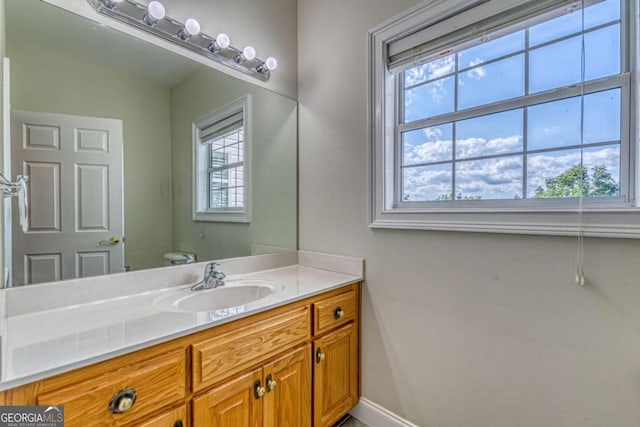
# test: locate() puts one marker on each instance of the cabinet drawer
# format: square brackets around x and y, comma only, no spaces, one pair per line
[220,357]
[158,382]
[334,311]
[176,418]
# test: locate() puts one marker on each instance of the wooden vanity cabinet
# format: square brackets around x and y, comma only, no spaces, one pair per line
[291,366]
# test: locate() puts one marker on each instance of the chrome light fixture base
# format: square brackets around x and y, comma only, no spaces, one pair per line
[133,13]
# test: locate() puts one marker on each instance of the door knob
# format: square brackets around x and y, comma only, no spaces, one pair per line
[111,242]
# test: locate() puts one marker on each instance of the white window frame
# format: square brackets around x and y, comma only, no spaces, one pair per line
[559,217]
[200,165]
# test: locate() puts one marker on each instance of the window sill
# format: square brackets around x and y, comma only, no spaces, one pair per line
[238,216]
[616,223]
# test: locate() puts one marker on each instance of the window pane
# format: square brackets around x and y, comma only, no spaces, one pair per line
[560,64]
[426,145]
[555,65]
[603,164]
[499,178]
[558,173]
[555,174]
[424,183]
[600,13]
[429,100]
[602,52]
[429,71]
[602,116]
[491,134]
[554,124]
[490,83]
[490,50]
[219,198]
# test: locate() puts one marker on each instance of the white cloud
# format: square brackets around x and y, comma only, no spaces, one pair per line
[431,70]
[498,178]
[478,72]
[477,147]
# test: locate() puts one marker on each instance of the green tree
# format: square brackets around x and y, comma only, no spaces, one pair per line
[579,181]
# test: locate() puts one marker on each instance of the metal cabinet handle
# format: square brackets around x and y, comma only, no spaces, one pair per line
[271,383]
[178,424]
[320,356]
[338,313]
[258,390]
[123,400]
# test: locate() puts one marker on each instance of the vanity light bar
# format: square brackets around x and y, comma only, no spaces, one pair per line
[152,19]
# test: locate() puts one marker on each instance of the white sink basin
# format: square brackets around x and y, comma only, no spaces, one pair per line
[235,293]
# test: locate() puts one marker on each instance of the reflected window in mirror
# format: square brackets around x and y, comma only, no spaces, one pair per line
[221,181]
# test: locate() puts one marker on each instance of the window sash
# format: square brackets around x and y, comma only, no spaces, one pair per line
[223,168]
[621,81]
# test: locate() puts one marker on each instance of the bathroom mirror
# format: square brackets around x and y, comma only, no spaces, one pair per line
[70,79]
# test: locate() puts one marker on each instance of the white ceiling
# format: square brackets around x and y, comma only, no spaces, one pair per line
[30,22]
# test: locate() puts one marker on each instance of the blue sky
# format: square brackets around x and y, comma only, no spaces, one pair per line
[553,125]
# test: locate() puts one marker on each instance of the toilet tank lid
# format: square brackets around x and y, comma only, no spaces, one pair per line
[178,256]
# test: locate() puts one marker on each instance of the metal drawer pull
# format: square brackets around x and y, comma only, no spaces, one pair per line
[320,356]
[271,383]
[338,313]
[122,401]
[259,391]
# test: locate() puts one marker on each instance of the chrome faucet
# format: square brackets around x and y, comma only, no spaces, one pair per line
[212,278]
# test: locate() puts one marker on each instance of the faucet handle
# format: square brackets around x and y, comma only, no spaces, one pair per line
[211,267]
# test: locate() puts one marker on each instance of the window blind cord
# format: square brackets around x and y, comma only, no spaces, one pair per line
[580,279]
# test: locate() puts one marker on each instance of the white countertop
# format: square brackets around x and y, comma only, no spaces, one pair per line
[42,343]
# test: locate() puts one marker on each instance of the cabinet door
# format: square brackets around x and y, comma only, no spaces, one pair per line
[287,402]
[233,404]
[335,384]
[176,418]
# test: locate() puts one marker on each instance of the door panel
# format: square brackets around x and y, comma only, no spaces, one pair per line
[92,198]
[288,403]
[44,196]
[335,375]
[43,268]
[74,164]
[233,404]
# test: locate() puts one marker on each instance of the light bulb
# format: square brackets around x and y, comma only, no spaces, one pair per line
[222,40]
[271,63]
[192,27]
[155,10]
[249,53]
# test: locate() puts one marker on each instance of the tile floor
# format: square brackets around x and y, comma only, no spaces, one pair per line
[349,422]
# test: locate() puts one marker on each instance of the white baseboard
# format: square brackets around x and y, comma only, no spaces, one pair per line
[375,415]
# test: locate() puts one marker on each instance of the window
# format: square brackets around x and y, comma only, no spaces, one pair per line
[504,115]
[221,165]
